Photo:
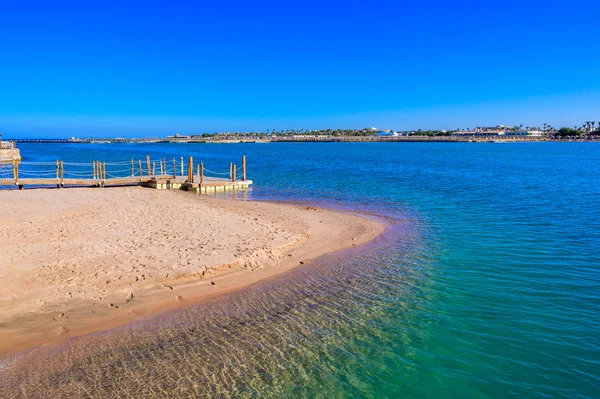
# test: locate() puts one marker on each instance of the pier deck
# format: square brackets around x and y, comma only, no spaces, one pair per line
[172,175]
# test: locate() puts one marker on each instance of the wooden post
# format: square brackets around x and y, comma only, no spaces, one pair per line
[201,172]
[132,168]
[161,167]
[174,168]
[230,170]
[140,168]
[191,170]
[153,167]
[17,174]
[148,164]
[243,168]
[62,173]
[234,172]
[182,172]
[57,173]
[104,170]
[93,170]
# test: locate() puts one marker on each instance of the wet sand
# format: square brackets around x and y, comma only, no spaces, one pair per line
[75,261]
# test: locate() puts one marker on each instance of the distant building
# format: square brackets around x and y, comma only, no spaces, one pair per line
[477,133]
[535,132]
[387,133]
[511,133]
[482,129]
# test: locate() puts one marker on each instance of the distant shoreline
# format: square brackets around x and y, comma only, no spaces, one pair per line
[332,139]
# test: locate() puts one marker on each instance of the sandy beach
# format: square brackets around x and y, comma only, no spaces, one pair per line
[75,261]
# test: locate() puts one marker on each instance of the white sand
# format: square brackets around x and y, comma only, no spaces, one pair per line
[73,261]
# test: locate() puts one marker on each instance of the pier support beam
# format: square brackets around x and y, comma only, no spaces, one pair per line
[191,170]
[243,168]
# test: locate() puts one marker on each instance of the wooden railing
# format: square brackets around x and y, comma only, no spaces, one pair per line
[100,173]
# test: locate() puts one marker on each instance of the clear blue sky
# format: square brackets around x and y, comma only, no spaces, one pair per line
[144,68]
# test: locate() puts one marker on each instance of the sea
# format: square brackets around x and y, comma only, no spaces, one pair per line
[486,283]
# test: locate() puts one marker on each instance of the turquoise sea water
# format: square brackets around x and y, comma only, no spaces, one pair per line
[487,284]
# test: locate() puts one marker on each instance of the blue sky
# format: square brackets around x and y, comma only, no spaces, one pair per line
[145,68]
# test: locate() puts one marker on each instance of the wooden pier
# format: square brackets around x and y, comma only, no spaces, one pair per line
[162,174]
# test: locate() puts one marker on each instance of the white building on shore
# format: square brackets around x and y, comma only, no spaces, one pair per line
[536,133]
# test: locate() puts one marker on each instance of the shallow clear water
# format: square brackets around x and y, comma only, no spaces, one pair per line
[486,285]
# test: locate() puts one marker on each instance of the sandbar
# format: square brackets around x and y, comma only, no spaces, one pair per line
[80,260]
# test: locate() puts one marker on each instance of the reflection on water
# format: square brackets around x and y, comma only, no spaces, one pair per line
[312,331]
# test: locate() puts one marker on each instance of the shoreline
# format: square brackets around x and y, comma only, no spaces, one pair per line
[295,234]
[311,139]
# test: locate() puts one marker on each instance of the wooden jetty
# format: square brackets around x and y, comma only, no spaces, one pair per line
[160,174]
